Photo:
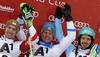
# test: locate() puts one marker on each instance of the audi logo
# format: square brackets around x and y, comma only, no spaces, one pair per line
[25,31]
[2,26]
[35,14]
[99,30]
[75,43]
[52,18]
[81,24]
[54,39]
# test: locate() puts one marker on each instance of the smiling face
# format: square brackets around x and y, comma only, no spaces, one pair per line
[47,36]
[10,31]
[85,41]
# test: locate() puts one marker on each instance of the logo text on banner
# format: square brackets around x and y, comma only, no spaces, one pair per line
[80,25]
[99,30]
[75,43]
[55,2]
[35,14]
[2,26]
[52,18]
[7,9]
[51,2]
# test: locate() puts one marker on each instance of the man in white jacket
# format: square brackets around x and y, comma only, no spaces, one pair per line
[9,48]
[86,37]
[43,48]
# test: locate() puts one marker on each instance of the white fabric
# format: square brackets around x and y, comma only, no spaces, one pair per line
[21,35]
[55,51]
[82,53]
[9,48]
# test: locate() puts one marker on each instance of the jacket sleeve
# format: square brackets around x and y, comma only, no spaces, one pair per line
[21,35]
[65,42]
[34,39]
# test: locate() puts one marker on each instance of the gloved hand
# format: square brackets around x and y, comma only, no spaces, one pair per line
[20,16]
[67,12]
[26,10]
[59,11]
[26,13]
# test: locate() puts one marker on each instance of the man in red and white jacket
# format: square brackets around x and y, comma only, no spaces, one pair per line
[44,47]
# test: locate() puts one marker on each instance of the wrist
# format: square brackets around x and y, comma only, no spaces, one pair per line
[29,23]
[68,18]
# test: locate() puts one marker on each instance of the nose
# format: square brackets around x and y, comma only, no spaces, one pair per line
[10,30]
[47,34]
[85,41]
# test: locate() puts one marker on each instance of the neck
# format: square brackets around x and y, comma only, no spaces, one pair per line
[80,49]
[46,44]
[4,36]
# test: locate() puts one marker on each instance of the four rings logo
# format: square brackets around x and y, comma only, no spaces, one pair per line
[52,18]
[75,42]
[2,26]
[35,14]
[80,25]
[99,30]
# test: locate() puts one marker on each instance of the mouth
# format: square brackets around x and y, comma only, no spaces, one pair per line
[47,38]
[84,44]
[9,34]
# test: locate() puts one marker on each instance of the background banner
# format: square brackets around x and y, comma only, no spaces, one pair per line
[86,13]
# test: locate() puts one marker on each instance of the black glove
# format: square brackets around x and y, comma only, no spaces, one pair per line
[68,18]
[59,12]
[26,11]
[20,16]
[67,13]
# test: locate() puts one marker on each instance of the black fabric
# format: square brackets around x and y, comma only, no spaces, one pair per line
[28,52]
[29,9]
[67,13]
[40,38]
[20,16]
[68,18]
[67,10]
[59,12]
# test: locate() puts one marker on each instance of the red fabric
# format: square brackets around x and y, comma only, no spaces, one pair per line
[25,45]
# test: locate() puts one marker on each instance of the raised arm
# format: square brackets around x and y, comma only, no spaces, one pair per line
[26,15]
[70,30]
[21,35]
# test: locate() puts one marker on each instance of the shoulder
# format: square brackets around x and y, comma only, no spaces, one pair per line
[18,42]
[97,48]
